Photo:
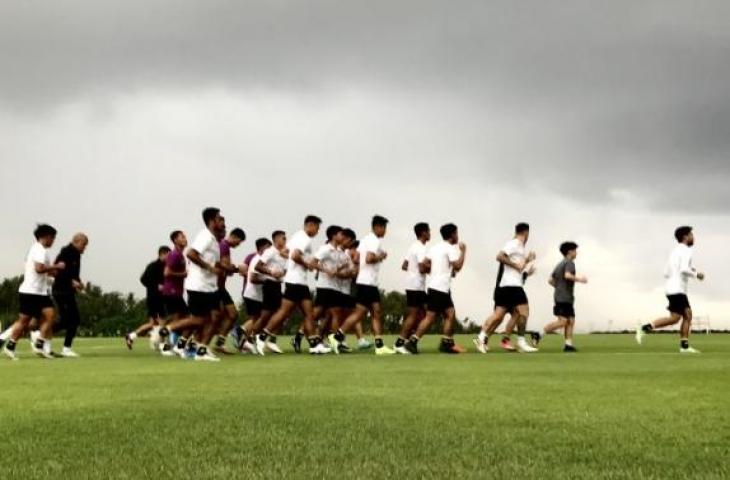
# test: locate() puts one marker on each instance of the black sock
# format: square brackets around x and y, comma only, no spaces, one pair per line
[647,328]
[378,343]
[164,332]
[506,338]
[339,336]
[313,341]
[221,341]
[400,342]
[39,344]
[684,344]
[181,342]
[447,341]
[11,345]
[263,336]
[413,339]
[299,336]
[202,350]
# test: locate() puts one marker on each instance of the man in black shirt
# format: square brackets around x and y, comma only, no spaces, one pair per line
[153,280]
[65,286]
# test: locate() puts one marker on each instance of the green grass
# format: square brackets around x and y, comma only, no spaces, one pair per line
[612,411]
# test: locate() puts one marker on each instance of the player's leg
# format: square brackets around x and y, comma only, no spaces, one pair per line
[272,326]
[489,327]
[310,330]
[46,321]
[16,332]
[68,311]
[413,317]
[448,345]
[685,332]
[506,342]
[569,325]
[523,313]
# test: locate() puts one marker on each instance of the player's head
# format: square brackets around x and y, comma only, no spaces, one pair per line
[380,225]
[569,250]
[279,239]
[45,234]
[311,225]
[332,232]
[163,252]
[450,233]
[80,241]
[236,237]
[349,238]
[522,230]
[422,231]
[214,221]
[262,244]
[685,235]
[179,239]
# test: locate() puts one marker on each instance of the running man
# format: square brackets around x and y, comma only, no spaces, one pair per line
[678,271]
[416,269]
[253,295]
[330,303]
[372,256]
[34,295]
[67,283]
[153,279]
[510,296]
[228,314]
[444,261]
[296,293]
[563,280]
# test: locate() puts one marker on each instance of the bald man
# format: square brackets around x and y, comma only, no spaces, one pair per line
[67,283]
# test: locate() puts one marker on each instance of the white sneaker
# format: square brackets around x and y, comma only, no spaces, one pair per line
[273,348]
[481,346]
[260,346]
[689,350]
[249,347]
[68,353]
[364,344]
[524,347]
[384,350]
[208,357]
[320,349]
[10,354]
[640,334]
[402,351]
[180,352]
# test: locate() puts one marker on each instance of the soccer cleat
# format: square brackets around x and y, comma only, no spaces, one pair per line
[640,334]
[569,349]
[128,340]
[273,347]
[320,349]
[411,347]
[481,346]
[689,350]
[334,344]
[296,343]
[48,355]
[536,338]
[260,346]
[450,348]
[523,347]
[10,353]
[68,353]
[208,357]
[384,350]
[507,346]
[248,348]
[167,352]
[180,352]
[343,348]
[364,344]
[402,350]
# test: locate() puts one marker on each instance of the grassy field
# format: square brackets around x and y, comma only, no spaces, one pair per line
[612,411]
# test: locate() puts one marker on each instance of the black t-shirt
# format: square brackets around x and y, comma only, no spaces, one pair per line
[72,258]
[153,277]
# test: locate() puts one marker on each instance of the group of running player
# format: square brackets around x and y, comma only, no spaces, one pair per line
[190,308]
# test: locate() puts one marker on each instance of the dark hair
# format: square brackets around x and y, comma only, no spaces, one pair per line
[163,249]
[277,233]
[448,230]
[350,233]
[332,230]
[209,214]
[379,221]
[175,234]
[262,242]
[568,247]
[522,227]
[355,244]
[44,230]
[682,232]
[421,228]
[312,219]
[238,233]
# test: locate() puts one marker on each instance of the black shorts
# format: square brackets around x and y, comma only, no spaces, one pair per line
[564,309]
[202,304]
[253,307]
[155,306]
[348,301]
[225,297]
[32,305]
[328,298]
[510,297]
[297,293]
[439,302]
[416,298]
[175,306]
[678,303]
[272,296]
[367,295]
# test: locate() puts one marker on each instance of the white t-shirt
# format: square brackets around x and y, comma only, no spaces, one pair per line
[415,280]
[516,252]
[199,280]
[369,272]
[345,284]
[679,270]
[295,273]
[253,291]
[442,256]
[329,258]
[273,260]
[35,283]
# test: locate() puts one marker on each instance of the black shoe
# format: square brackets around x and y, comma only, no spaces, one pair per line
[412,347]
[535,337]
[344,348]
[570,349]
[296,342]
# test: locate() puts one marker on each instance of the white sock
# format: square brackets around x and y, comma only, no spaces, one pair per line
[46,346]
[483,336]
[569,342]
[133,335]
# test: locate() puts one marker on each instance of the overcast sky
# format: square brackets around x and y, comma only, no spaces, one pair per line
[607,123]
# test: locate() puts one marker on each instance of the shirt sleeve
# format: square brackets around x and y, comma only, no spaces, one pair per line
[38,254]
[266,256]
[686,264]
[453,254]
[200,243]
[322,253]
[570,268]
[421,255]
[510,248]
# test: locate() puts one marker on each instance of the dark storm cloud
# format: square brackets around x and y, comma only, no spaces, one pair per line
[633,94]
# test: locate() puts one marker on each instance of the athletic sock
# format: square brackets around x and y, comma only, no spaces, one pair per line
[400,342]
[298,337]
[181,342]
[647,328]
[202,351]
[47,347]
[11,345]
[313,341]
[506,338]
[684,344]
[164,332]
[263,335]
[569,342]
[483,337]
[39,343]
[220,341]
[447,341]
[414,339]
[340,336]
[378,342]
